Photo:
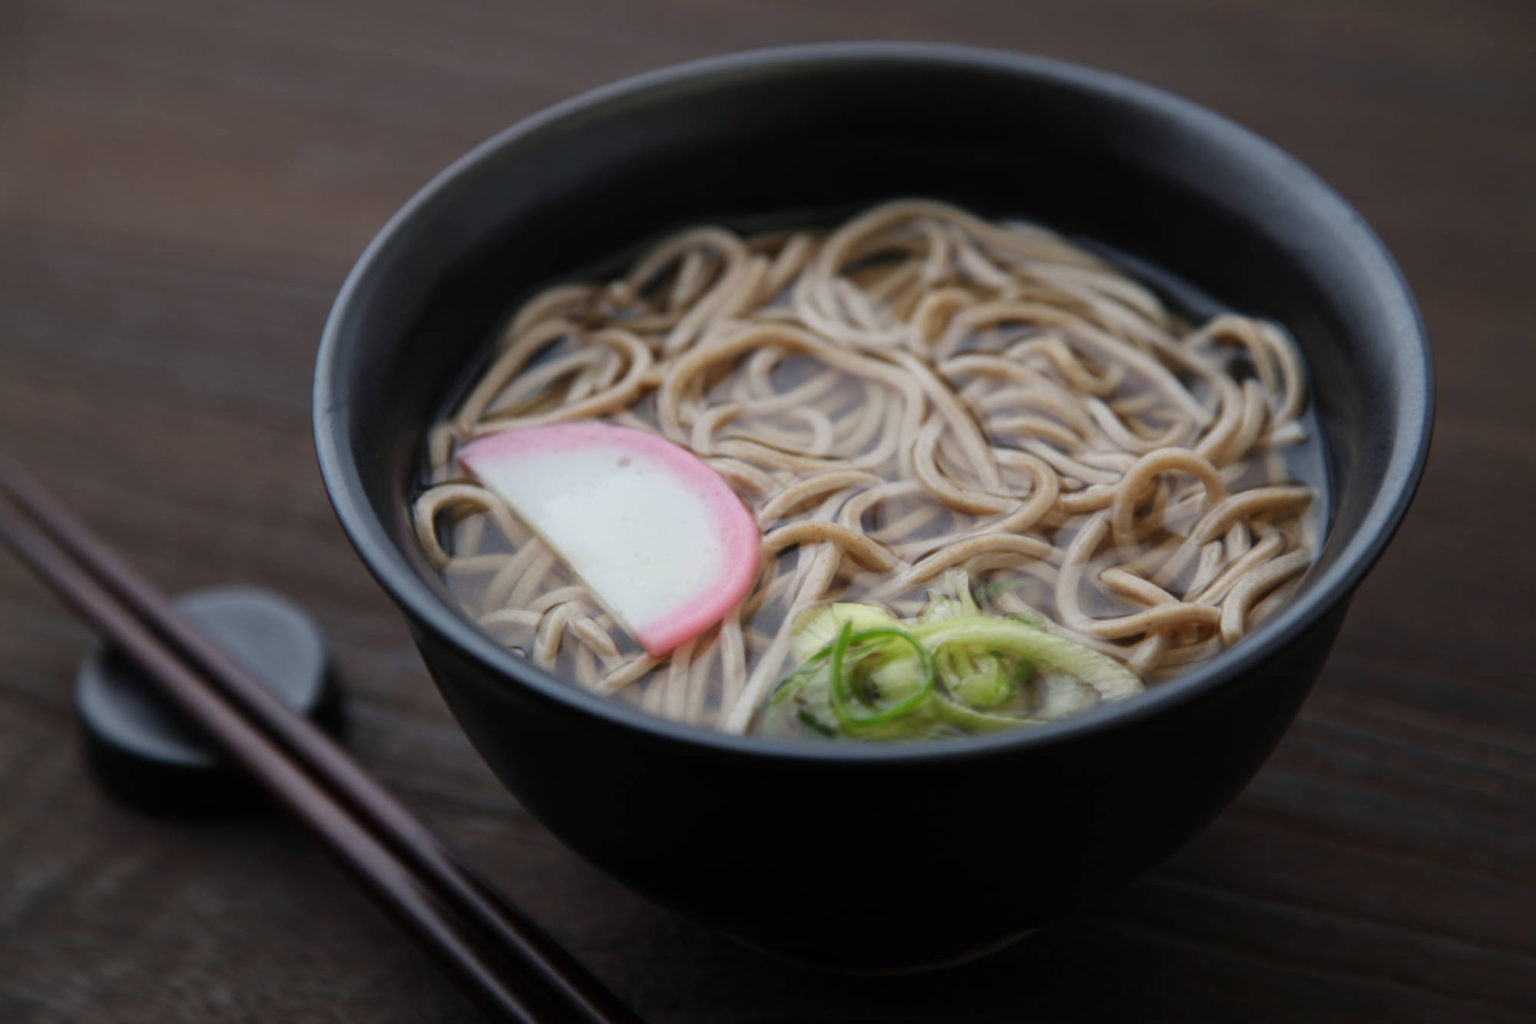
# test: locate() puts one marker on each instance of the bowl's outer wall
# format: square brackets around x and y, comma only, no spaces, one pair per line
[878,865]
[848,860]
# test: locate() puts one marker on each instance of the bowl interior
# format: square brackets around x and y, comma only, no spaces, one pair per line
[785,136]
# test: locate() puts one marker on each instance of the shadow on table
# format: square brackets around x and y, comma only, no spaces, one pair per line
[1108,963]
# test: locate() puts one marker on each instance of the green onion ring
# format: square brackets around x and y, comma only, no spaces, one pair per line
[841,698]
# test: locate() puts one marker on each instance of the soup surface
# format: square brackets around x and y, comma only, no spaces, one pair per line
[996,479]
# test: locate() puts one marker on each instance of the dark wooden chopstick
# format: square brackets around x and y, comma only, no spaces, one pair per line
[515,969]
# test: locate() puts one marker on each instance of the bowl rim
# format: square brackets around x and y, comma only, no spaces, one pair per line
[427,609]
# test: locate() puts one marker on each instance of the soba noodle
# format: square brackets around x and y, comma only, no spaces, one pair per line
[914,392]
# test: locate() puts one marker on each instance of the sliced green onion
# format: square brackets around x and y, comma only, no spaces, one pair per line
[863,673]
[1108,677]
[816,628]
[962,715]
[815,724]
[842,699]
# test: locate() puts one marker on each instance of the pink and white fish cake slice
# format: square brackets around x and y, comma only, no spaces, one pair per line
[659,537]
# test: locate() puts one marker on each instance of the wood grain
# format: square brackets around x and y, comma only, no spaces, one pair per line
[182,189]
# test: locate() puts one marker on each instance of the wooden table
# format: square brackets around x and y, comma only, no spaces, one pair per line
[182,190]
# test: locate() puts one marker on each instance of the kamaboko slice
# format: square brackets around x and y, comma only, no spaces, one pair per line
[659,537]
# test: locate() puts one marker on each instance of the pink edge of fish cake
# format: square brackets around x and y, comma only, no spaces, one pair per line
[738,532]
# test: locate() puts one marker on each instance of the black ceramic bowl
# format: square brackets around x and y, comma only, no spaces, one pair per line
[872,856]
